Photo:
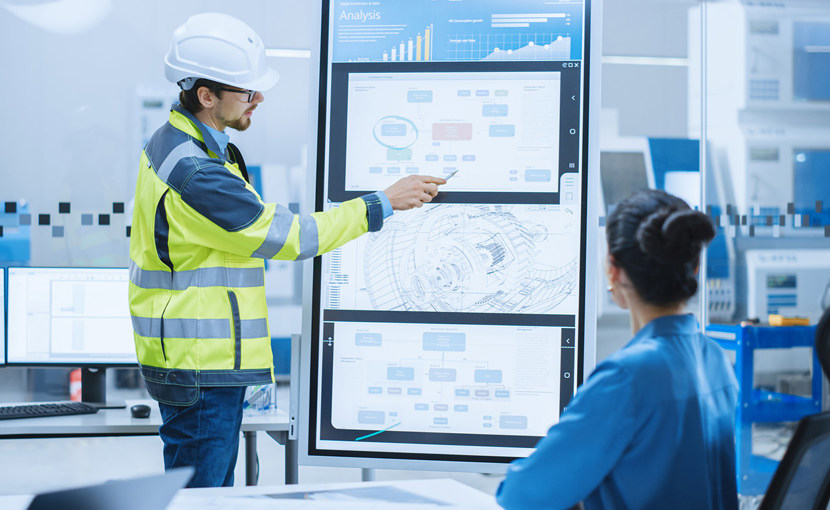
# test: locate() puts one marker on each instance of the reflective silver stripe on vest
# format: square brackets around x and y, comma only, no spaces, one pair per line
[277,234]
[203,277]
[309,240]
[184,150]
[198,328]
[254,328]
[182,328]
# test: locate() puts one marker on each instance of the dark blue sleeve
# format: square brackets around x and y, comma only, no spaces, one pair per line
[221,197]
[374,211]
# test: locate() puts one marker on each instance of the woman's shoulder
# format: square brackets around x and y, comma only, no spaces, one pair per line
[645,353]
[648,358]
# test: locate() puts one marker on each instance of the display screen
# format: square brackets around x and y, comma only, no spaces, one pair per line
[69,316]
[622,173]
[781,281]
[455,332]
[811,61]
[811,180]
[494,128]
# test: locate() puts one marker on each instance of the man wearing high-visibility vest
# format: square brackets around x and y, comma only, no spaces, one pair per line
[200,233]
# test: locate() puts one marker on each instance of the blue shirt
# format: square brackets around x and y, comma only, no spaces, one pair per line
[222,140]
[653,427]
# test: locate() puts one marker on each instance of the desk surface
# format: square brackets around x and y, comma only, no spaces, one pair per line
[117,422]
[435,494]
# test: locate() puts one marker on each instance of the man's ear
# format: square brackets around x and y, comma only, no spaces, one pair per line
[206,98]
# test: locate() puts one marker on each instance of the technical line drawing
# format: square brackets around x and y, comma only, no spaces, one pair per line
[472,258]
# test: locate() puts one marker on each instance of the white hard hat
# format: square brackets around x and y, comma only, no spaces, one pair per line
[220,48]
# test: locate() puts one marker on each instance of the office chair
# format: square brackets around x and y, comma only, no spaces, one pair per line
[802,480]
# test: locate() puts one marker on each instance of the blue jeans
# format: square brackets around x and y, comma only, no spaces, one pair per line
[204,435]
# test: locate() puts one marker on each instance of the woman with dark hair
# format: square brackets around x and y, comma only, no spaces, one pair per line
[652,428]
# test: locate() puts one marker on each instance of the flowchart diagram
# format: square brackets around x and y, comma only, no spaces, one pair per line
[457,258]
[497,131]
[446,378]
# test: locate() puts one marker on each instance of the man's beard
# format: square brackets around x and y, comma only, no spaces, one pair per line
[240,124]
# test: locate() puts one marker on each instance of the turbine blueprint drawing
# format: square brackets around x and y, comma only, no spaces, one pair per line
[473,258]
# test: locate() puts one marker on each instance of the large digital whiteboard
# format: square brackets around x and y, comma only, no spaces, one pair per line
[454,337]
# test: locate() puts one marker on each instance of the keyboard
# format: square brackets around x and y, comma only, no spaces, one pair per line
[39,410]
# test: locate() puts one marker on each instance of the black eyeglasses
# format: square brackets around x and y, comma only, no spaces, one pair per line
[251,93]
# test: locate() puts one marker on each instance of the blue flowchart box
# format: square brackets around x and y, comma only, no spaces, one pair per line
[513,422]
[375,170]
[371,417]
[494,110]
[502,394]
[460,408]
[537,175]
[440,421]
[375,390]
[488,376]
[464,93]
[419,96]
[413,391]
[393,129]
[431,157]
[462,393]
[502,130]
[400,373]
[368,339]
[450,342]
[442,374]
[450,157]
[422,407]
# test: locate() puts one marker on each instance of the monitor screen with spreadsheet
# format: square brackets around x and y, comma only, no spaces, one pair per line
[69,316]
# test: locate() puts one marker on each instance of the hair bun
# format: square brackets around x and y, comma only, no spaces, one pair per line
[674,236]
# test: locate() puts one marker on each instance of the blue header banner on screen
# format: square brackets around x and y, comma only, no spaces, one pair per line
[442,31]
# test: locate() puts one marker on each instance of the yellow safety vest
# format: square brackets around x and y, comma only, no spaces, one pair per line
[199,235]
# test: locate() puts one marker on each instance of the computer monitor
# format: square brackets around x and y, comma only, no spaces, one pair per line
[71,316]
[621,173]
[811,180]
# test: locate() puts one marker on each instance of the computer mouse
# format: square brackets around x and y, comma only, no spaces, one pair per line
[140,411]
